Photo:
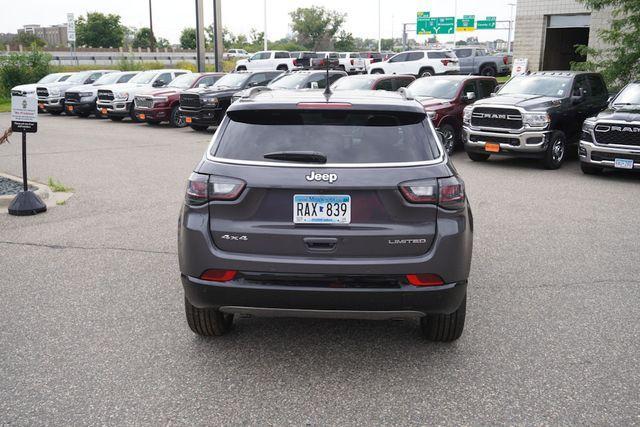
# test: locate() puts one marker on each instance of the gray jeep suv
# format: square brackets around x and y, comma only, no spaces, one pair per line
[318,205]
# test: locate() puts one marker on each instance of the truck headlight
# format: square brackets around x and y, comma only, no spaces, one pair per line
[587,129]
[210,101]
[466,115]
[536,120]
[121,95]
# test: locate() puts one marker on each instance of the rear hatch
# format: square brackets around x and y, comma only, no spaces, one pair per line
[314,183]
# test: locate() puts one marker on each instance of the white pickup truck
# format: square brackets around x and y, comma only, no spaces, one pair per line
[352,62]
[278,60]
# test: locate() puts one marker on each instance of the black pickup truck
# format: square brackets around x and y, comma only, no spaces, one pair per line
[534,115]
[612,138]
[204,107]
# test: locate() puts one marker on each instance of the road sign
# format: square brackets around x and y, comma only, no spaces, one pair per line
[71,28]
[468,23]
[24,113]
[440,25]
[422,22]
[487,24]
[520,66]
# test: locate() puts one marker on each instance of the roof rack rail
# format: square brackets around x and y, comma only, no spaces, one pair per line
[255,90]
[406,94]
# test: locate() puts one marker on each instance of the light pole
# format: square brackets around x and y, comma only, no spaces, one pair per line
[379,28]
[511,5]
[152,42]
[265,25]
[455,22]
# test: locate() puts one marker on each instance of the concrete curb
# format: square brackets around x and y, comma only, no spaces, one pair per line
[42,191]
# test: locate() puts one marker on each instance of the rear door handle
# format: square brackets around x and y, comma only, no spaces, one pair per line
[320,244]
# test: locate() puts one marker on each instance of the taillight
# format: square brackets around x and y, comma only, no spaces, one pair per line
[425,191]
[353,62]
[214,275]
[425,279]
[448,193]
[295,62]
[445,62]
[204,188]
[505,60]
[451,193]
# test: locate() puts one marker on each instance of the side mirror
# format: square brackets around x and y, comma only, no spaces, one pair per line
[252,84]
[159,83]
[314,85]
[497,88]
[202,85]
[576,99]
[440,136]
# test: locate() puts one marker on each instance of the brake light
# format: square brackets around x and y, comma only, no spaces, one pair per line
[323,105]
[505,60]
[451,193]
[425,279]
[295,62]
[447,193]
[203,188]
[445,62]
[214,275]
[352,62]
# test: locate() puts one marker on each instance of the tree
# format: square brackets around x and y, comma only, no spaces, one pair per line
[386,44]
[315,25]
[162,43]
[620,62]
[28,39]
[144,38]
[21,68]
[99,30]
[344,42]
[188,38]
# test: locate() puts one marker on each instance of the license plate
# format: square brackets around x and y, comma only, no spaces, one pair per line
[321,209]
[141,116]
[188,119]
[104,111]
[493,148]
[624,163]
[69,108]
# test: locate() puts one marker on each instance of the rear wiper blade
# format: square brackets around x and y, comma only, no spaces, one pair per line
[297,156]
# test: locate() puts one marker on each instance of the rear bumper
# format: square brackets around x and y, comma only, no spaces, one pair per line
[526,144]
[599,155]
[153,114]
[204,116]
[240,296]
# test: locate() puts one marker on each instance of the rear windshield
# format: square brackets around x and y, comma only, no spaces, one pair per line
[342,136]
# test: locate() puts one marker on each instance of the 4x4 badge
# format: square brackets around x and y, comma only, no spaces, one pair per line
[315,176]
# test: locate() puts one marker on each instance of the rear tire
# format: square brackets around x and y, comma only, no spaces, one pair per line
[444,327]
[426,72]
[116,118]
[84,114]
[588,169]
[478,157]
[207,322]
[132,114]
[55,113]
[377,71]
[282,68]
[199,128]
[242,68]
[556,151]
[153,122]
[488,71]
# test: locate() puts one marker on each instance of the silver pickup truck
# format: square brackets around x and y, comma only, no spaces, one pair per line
[475,60]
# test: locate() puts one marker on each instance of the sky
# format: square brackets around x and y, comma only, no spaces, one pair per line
[239,16]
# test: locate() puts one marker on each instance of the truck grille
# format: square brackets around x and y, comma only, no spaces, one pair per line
[42,92]
[504,118]
[72,96]
[618,134]
[143,102]
[105,95]
[190,100]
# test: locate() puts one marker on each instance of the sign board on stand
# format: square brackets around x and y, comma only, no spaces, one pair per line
[71,28]
[24,113]
[520,66]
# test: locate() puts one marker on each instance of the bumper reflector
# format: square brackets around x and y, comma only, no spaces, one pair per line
[218,275]
[425,279]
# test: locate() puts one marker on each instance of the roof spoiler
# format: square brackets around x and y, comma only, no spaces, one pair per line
[254,91]
[406,94]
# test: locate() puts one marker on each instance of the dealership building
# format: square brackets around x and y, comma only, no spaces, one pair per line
[547,31]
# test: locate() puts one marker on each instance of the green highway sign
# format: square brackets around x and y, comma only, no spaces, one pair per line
[468,23]
[491,18]
[488,24]
[422,22]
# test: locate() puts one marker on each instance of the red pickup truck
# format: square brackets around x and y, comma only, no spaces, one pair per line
[162,105]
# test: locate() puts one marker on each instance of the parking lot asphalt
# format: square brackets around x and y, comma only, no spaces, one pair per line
[93,328]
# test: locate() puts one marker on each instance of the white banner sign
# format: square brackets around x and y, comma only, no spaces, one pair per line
[24,113]
[71,28]
[520,66]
